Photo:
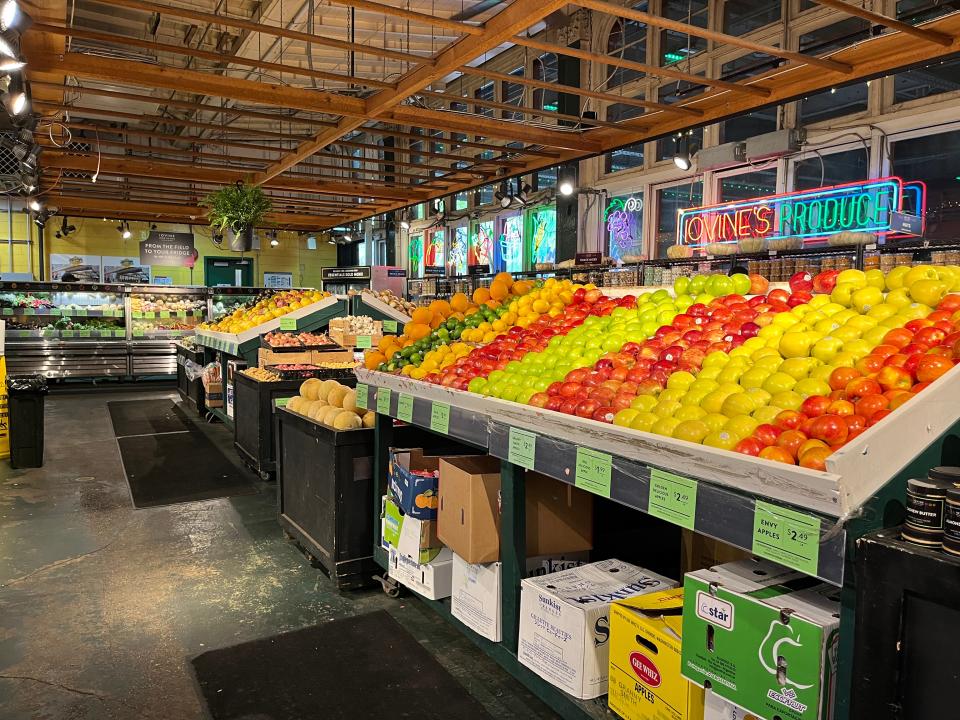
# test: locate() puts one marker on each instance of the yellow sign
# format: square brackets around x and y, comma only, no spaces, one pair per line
[4,412]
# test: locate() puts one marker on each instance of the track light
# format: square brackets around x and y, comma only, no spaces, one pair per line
[274,242]
[567,180]
[405,224]
[684,152]
[12,16]
[348,238]
[15,97]
[566,188]
[34,204]
[124,229]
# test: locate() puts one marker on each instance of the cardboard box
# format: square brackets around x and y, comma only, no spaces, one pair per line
[475,595]
[416,495]
[559,516]
[269,357]
[318,357]
[645,679]
[349,340]
[417,539]
[699,551]
[214,393]
[764,636]
[716,708]
[431,580]
[564,624]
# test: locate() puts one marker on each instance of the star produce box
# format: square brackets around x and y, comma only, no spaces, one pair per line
[645,679]
[764,637]
[413,482]
[564,624]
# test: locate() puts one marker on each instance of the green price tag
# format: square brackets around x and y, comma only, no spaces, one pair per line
[440,418]
[69,333]
[383,401]
[787,537]
[288,323]
[55,311]
[136,314]
[405,408]
[80,312]
[362,395]
[119,332]
[281,402]
[29,311]
[672,498]
[138,333]
[594,470]
[364,342]
[8,311]
[86,333]
[390,326]
[164,313]
[523,448]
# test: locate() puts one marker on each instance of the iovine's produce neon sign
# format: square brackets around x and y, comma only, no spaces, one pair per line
[872,207]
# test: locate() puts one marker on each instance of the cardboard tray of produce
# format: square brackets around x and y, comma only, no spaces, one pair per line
[329,347]
[305,373]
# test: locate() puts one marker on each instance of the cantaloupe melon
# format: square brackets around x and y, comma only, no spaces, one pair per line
[309,388]
[294,403]
[336,396]
[325,387]
[318,411]
[330,415]
[306,406]
[369,418]
[350,401]
[347,420]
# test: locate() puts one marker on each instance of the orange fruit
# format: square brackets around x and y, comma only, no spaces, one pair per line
[436,322]
[385,342]
[440,307]
[505,278]
[493,304]
[372,360]
[521,287]
[416,331]
[481,295]
[499,290]
[459,302]
[422,315]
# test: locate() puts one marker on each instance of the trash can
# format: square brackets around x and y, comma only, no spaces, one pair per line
[25,414]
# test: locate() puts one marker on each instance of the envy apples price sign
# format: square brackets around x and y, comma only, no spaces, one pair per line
[787,537]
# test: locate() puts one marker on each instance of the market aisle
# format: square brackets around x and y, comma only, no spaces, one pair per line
[102,605]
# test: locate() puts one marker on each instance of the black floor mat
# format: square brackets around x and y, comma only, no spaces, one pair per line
[179,467]
[146,417]
[360,668]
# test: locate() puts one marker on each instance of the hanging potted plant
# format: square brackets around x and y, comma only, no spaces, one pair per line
[236,210]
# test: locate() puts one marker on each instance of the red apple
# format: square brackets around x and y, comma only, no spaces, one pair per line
[604,414]
[860,387]
[539,400]
[932,366]
[767,434]
[832,429]
[569,389]
[892,377]
[789,420]
[870,405]
[749,446]
[587,408]
[815,406]
[825,282]
[801,281]
[869,365]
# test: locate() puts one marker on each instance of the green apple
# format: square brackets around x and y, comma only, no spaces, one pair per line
[866,297]
[741,283]
[769,362]
[710,373]
[799,367]
[876,278]
[917,273]
[826,349]
[788,400]
[644,403]
[625,417]
[693,430]
[731,373]
[720,285]
[703,384]
[797,344]
[779,382]
[681,285]
[722,440]
[697,284]
[928,292]
[644,421]
[715,359]
[666,408]
[858,348]
[665,426]
[896,276]
[742,426]
[680,380]
[739,404]
[754,377]
[715,421]
[822,372]
[843,294]
[811,386]
[857,278]
[881,311]
[690,412]
[767,413]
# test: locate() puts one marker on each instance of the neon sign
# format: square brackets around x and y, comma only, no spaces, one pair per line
[873,206]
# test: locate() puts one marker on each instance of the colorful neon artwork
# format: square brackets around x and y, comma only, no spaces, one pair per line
[624,219]
[415,256]
[457,263]
[510,247]
[873,206]
[544,241]
[481,245]
[434,249]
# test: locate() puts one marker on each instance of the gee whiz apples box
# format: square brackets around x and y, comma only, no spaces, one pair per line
[764,637]
[564,624]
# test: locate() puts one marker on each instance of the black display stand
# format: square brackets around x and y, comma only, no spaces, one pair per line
[906,660]
[191,391]
[253,409]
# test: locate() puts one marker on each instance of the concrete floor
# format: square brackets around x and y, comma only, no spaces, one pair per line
[103,605]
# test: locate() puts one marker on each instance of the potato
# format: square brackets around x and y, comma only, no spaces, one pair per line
[309,388]
[347,420]
[330,415]
[369,418]
[350,401]
[336,396]
[325,387]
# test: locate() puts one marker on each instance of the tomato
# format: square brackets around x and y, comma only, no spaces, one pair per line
[832,429]
[870,405]
[842,376]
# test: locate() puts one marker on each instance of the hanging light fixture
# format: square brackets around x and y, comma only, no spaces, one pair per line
[567,180]
[34,204]
[684,150]
[15,97]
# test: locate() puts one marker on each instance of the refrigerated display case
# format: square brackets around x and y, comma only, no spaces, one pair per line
[224,300]
[159,315]
[65,330]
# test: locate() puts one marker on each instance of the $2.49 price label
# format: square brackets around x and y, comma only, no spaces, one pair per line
[787,537]
[673,498]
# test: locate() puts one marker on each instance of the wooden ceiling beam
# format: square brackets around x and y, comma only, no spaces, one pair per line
[199,83]
[221,176]
[930,36]
[255,27]
[456,26]
[186,51]
[514,19]
[718,37]
[539,152]
[642,67]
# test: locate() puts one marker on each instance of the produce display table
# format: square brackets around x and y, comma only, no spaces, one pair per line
[191,391]
[393,319]
[245,345]
[801,518]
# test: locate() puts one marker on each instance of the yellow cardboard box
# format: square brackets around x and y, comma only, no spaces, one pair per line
[645,680]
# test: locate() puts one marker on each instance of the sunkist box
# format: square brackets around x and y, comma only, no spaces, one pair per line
[415,494]
[417,539]
[432,580]
[564,624]
[559,517]
[645,679]
[475,593]
[764,637]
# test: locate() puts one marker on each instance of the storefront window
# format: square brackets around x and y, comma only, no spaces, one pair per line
[835,102]
[631,156]
[919,11]
[623,218]
[943,77]
[743,16]
[829,170]
[748,185]
[509,248]
[480,251]
[485,195]
[543,235]
[628,41]
[512,94]
[679,91]
[676,46]
[758,122]
[459,240]
[461,201]
[415,256]
[670,201]
[545,68]
[433,251]
[546,178]
[932,159]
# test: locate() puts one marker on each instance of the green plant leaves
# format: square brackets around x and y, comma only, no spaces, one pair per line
[237,206]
